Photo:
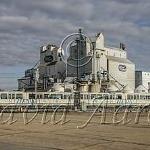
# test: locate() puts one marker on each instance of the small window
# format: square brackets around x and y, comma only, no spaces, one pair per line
[93,96]
[65,96]
[31,96]
[137,97]
[69,96]
[9,96]
[60,96]
[56,96]
[81,96]
[112,96]
[142,96]
[130,97]
[13,96]
[119,96]
[50,96]
[99,96]
[19,96]
[46,96]
[76,96]
[3,96]
[85,96]
[105,96]
[146,96]
[39,96]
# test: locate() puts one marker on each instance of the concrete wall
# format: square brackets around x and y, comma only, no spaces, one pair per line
[54,69]
[142,78]
[115,52]
[131,76]
[127,78]
[146,80]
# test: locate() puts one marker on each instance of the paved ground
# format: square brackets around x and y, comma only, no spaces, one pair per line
[95,136]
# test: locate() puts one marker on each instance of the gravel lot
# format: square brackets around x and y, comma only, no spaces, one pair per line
[95,136]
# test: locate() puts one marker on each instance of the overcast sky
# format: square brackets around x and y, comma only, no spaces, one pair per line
[25,25]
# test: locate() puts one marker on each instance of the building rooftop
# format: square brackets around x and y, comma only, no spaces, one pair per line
[118,59]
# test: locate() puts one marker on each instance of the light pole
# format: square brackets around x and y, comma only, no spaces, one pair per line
[37,76]
[36,81]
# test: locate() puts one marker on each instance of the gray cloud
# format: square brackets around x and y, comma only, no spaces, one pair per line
[26,25]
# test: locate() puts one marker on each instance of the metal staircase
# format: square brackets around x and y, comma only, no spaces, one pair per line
[110,80]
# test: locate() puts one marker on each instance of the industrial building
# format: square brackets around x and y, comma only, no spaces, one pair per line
[108,69]
[142,82]
[50,70]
